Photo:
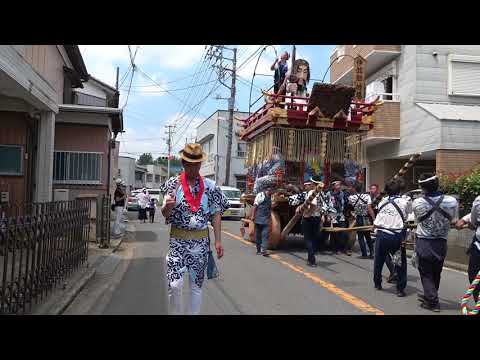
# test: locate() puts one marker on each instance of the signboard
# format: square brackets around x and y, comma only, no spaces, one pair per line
[359,64]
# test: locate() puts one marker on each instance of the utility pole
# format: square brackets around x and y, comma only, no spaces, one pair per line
[169,143]
[216,51]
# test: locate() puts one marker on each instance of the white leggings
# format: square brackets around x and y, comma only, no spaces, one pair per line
[175,297]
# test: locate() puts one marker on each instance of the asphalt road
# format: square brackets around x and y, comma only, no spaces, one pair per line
[280,284]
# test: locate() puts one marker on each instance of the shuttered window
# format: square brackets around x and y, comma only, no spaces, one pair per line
[464,75]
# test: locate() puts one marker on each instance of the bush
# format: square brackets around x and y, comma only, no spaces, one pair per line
[465,185]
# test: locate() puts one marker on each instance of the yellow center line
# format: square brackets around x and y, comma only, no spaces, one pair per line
[356,302]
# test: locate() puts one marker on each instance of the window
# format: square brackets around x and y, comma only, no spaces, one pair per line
[232,194]
[139,176]
[11,163]
[71,167]
[149,177]
[463,75]
[241,183]
[157,178]
[241,150]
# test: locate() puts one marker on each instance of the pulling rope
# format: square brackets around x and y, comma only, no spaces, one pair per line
[464,307]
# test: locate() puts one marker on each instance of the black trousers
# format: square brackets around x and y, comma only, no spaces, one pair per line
[151,214]
[431,256]
[311,227]
[474,268]
[385,245]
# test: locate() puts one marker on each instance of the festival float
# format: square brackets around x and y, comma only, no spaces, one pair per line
[297,135]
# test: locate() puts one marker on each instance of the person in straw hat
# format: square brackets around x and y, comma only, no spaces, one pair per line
[190,202]
[119,205]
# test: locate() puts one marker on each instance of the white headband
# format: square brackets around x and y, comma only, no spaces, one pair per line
[427,180]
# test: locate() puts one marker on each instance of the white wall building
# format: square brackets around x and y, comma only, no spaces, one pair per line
[212,134]
[156,176]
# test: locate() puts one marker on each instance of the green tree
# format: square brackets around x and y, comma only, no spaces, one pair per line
[145,159]
[174,162]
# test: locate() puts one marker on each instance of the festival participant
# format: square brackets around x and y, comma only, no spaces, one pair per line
[310,218]
[473,218]
[190,202]
[434,213]
[339,200]
[362,208]
[374,194]
[261,215]
[389,224]
[281,68]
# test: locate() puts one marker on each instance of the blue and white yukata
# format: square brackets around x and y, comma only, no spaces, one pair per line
[190,255]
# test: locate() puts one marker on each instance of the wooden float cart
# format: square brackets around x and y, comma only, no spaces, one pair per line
[326,127]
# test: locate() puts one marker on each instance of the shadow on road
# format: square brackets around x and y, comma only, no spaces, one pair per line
[145,236]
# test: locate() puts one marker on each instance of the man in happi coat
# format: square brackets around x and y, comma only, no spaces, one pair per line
[190,202]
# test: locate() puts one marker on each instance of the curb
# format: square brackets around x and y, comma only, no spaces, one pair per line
[68,298]
[447,264]
[64,300]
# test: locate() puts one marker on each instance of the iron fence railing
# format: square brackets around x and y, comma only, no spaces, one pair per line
[41,244]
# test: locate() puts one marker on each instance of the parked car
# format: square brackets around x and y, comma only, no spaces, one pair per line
[132,202]
[236,209]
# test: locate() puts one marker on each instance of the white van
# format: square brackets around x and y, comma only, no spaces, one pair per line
[237,209]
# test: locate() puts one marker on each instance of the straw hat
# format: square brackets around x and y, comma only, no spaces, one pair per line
[118,181]
[193,153]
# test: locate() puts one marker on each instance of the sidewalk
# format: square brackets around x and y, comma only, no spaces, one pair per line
[61,297]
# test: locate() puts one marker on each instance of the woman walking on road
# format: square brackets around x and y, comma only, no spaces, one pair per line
[119,197]
[143,201]
[190,202]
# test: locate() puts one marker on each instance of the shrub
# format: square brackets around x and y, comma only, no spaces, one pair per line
[465,185]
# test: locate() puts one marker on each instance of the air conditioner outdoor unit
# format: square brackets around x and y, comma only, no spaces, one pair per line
[60,194]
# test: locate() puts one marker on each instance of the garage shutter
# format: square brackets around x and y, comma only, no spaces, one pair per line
[465,78]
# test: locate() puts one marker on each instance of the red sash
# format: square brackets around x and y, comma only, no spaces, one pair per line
[193,202]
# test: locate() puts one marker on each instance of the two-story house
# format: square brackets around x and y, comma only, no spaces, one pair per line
[58,125]
[34,80]
[85,146]
[432,106]
[212,134]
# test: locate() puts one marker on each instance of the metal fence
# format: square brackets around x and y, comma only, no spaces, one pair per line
[103,220]
[41,244]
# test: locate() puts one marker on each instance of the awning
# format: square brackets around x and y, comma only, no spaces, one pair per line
[206,138]
[116,114]
[452,112]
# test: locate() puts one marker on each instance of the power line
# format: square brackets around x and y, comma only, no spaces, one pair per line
[167,82]
[163,91]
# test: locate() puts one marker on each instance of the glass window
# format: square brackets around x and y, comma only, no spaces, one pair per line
[77,167]
[157,178]
[241,149]
[11,160]
[232,194]
[149,177]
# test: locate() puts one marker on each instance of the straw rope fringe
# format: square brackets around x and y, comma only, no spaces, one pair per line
[307,145]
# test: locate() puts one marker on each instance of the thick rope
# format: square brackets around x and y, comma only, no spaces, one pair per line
[464,304]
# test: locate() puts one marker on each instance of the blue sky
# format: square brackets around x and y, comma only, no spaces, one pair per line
[165,67]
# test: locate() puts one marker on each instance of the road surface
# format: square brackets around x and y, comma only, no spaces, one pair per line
[249,284]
